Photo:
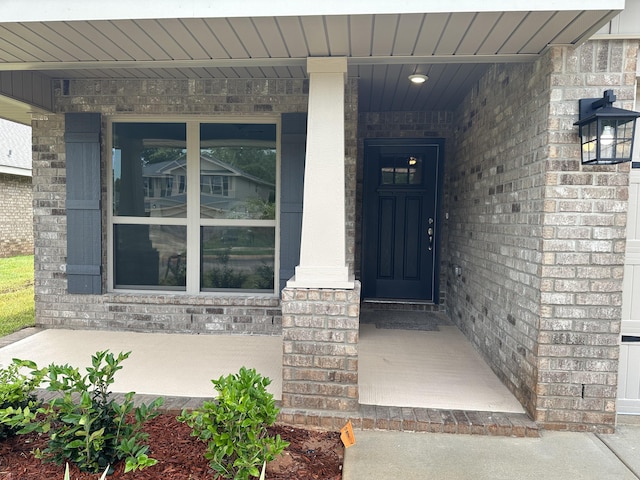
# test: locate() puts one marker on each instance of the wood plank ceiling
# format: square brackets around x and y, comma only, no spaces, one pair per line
[453,49]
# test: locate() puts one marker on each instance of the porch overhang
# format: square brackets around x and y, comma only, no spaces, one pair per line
[383,41]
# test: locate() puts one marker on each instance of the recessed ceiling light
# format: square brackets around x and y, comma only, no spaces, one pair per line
[418,78]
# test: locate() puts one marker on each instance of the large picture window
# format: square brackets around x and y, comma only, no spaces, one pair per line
[193,206]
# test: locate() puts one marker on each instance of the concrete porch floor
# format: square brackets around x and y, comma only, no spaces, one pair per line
[178,365]
[397,368]
[428,369]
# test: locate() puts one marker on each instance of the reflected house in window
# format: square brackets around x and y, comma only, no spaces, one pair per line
[225,190]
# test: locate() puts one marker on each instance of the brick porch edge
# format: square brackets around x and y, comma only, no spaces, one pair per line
[374,417]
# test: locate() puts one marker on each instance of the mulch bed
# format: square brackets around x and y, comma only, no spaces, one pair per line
[311,455]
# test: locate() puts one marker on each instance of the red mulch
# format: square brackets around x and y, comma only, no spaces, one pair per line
[311,455]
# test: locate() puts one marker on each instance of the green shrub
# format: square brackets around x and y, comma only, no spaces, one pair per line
[17,389]
[85,425]
[234,426]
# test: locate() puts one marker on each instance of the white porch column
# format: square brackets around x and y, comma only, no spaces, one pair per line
[322,249]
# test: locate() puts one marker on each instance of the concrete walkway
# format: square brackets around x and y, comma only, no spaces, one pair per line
[555,455]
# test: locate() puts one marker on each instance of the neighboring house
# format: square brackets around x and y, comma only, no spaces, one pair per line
[465,194]
[224,189]
[226,192]
[16,197]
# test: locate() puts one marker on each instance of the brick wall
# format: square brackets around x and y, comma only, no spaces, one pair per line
[584,236]
[156,98]
[404,125]
[540,238]
[495,184]
[16,215]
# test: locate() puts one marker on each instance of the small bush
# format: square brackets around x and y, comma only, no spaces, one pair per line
[17,389]
[234,426]
[85,425]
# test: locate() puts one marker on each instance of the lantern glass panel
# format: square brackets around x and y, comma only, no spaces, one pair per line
[616,140]
[589,142]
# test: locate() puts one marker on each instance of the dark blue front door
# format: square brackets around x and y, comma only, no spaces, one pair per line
[400,218]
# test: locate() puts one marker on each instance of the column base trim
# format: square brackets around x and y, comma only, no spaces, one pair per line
[322,277]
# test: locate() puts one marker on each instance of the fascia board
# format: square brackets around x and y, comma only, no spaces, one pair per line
[22,172]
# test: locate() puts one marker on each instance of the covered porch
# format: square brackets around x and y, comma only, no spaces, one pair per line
[520,246]
[432,374]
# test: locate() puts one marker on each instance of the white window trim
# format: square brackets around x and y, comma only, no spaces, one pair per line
[193,222]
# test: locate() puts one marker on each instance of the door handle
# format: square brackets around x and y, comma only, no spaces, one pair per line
[430,234]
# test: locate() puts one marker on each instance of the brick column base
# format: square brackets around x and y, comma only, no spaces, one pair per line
[320,341]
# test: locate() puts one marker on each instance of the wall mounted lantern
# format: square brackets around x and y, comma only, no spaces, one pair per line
[606,132]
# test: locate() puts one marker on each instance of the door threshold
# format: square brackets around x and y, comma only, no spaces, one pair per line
[395,301]
[401,304]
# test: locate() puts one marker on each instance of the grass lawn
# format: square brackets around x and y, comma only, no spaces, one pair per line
[17,308]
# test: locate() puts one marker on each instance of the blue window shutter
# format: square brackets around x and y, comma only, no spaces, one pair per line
[292,153]
[84,219]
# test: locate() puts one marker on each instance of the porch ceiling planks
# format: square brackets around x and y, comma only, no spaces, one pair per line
[381,46]
[384,87]
[382,35]
[581,27]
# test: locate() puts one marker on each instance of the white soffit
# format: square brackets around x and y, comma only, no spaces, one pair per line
[239,42]
[71,10]
[384,41]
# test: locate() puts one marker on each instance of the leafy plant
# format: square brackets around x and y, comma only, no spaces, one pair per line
[17,389]
[234,426]
[86,426]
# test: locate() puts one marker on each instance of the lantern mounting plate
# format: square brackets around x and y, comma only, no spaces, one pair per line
[589,105]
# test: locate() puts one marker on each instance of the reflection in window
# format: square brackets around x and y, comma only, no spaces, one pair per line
[215,185]
[150,256]
[147,157]
[237,258]
[401,170]
[238,163]
[228,235]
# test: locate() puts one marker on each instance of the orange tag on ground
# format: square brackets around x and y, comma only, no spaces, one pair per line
[346,435]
